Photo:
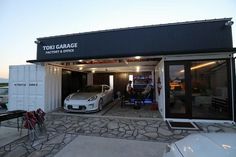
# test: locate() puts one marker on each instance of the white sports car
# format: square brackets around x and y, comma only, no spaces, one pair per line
[204,145]
[88,99]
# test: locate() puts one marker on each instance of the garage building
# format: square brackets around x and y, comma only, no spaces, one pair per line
[191,66]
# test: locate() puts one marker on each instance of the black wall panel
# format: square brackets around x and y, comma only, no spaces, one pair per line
[71,82]
[151,40]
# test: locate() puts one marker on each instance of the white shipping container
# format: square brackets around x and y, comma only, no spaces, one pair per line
[34,86]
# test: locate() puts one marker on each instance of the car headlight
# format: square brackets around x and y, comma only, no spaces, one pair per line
[93,98]
[91,105]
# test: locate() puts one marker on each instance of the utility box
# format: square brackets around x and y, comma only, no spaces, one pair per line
[34,86]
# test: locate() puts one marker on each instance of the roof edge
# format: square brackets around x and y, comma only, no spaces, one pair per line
[139,27]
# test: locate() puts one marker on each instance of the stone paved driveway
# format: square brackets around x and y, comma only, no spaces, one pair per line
[63,128]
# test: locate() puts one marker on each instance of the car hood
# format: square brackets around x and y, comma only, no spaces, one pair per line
[208,144]
[82,96]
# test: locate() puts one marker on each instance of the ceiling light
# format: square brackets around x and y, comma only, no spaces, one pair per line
[137,57]
[80,68]
[93,70]
[80,60]
[200,66]
[137,69]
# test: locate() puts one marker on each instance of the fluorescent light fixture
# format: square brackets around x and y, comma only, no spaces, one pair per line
[131,78]
[137,69]
[200,66]
[80,60]
[137,57]
[111,81]
[80,68]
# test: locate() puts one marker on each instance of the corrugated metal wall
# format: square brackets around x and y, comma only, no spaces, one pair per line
[52,87]
[34,86]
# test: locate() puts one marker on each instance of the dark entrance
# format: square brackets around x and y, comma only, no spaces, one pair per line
[198,89]
[101,78]
[71,82]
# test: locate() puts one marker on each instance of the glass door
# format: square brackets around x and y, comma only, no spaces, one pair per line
[178,95]
[199,89]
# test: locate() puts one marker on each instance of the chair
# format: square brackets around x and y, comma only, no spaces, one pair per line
[30,123]
[148,98]
[31,119]
[128,99]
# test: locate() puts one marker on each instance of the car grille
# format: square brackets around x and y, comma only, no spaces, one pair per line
[70,107]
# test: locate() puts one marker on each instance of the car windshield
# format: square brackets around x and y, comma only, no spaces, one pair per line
[91,89]
[3,91]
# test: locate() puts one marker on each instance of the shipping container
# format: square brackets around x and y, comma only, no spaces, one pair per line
[34,86]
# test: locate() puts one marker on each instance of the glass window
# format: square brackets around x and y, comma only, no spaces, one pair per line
[177,89]
[209,85]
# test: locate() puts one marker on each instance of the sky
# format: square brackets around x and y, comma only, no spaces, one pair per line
[22,21]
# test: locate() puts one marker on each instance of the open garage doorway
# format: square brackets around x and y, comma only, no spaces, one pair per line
[116,73]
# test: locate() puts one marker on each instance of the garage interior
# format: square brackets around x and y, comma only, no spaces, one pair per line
[115,72]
